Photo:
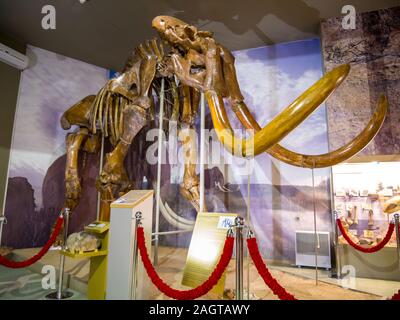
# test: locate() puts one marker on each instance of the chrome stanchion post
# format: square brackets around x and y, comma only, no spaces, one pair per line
[397,224]
[138,218]
[239,224]
[60,293]
[338,261]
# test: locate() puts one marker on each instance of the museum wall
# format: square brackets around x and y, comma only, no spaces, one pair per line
[36,189]
[372,50]
[9,83]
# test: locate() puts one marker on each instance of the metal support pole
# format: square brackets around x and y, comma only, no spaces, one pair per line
[397,225]
[316,237]
[164,233]
[100,170]
[60,293]
[202,150]
[336,244]
[239,224]
[158,195]
[138,218]
[248,225]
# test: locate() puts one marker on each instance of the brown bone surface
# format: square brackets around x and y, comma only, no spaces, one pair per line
[118,112]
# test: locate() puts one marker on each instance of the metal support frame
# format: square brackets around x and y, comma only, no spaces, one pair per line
[248,222]
[61,294]
[165,233]
[202,150]
[100,170]
[138,218]
[239,225]
[159,155]
[316,237]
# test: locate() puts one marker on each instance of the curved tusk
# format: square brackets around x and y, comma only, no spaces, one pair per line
[327,159]
[224,188]
[218,185]
[174,222]
[282,124]
[177,217]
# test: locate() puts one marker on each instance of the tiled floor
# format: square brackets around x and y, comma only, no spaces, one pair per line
[26,284]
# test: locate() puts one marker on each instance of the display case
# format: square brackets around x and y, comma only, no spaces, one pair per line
[362,192]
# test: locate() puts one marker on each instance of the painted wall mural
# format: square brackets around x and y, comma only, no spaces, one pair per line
[372,49]
[36,171]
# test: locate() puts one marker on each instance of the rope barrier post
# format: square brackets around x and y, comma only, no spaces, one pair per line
[336,243]
[397,225]
[239,224]
[60,293]
[159,167]
[138,218]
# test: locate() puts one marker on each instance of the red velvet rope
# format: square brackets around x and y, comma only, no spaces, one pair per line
[22,264]
[376,248]
[269,280]
[396,296]
[187,294]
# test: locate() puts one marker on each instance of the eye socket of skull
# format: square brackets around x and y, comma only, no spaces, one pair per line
[190,31]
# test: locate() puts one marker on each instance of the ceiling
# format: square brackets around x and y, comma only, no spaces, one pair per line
[103,32]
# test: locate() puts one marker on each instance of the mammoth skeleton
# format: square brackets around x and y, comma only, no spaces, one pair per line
[194,63]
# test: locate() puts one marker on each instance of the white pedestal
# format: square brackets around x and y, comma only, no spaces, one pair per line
[121,245]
